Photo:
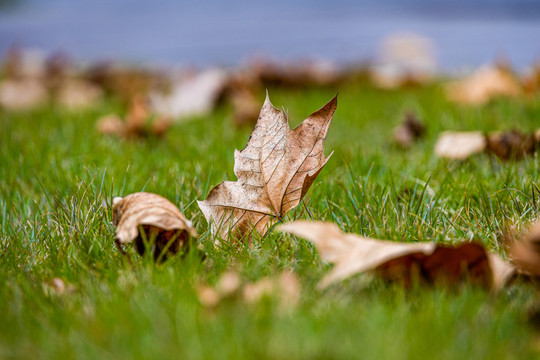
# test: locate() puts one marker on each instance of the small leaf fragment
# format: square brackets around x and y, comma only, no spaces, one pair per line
[160,220]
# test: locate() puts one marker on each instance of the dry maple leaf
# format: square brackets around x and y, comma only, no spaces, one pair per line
[160,220]
[274,170]
[406,262]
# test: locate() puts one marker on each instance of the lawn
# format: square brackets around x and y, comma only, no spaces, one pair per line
[58,177]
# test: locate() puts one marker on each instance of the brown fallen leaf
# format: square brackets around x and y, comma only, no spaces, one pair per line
[300,74]
[126,82]
[531,80]
[511,145]
[274,170]
[139,122]
[526,253]
[245,108]
[486,83]
[410,130]
[406,262]
[163,225]
[460,145]
[137,115]
[58,68]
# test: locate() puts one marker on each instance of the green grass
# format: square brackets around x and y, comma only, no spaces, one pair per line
[58,178]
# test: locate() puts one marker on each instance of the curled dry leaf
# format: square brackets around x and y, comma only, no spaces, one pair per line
[22,94]
[274,170]
[165,228]
[406,262]
[410,130]
[486,83]
[460,145]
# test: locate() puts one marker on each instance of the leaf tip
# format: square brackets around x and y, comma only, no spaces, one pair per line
[267,99]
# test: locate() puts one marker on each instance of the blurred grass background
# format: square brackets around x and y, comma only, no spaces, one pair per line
[58,177]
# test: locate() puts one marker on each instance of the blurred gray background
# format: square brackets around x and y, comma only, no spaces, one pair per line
[465,33]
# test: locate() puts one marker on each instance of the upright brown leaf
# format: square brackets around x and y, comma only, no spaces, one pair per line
[406,262]
[274,170]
